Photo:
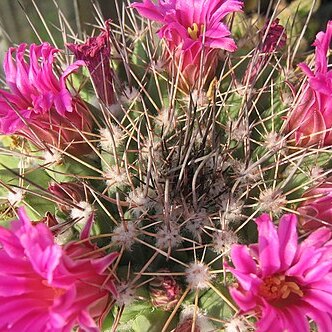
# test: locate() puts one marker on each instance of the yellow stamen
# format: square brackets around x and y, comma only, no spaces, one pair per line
[212,88]
[290,287]
[276,287]
[193,31]
[57,291]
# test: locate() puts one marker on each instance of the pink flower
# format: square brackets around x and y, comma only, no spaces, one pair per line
[274,38]
[96,54]
[316,210]
[48,288]
[194,34]
[284,282]
[39,106]
[311,119]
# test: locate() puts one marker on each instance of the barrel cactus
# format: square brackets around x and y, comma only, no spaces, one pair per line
[169,173]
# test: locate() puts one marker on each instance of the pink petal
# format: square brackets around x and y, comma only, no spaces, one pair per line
[288,240]
[317,238]
[295,320]
[249,282]
[305,68]
[101,264]
[324,284]
[317,272]
[322,44]
[319,299]
[87,228]
[149,10]
[225,8]
[268,243]
[245,300]
[87,323]
[270,320]
[242,260]
[14,309]
[323,320]
[308,258]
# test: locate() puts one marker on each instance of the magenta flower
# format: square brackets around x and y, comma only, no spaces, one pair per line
[311,119]
[194,34]
[284,282]
[316,210]
[96,54]
[48,288]
[39,106]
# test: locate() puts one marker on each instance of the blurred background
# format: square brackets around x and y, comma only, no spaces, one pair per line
[18,16]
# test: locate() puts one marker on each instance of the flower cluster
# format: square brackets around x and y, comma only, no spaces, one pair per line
[167,158]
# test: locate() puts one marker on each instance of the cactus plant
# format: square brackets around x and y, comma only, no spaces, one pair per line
[152,158]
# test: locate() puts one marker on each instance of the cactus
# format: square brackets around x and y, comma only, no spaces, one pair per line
[164,154]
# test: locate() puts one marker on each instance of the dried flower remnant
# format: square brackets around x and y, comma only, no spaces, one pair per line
[310,121]
[39,106]
[194,34]
[96,54]
[284,281]
[273,36]
[186,325]
[47,287]
[68,192]
[165,291]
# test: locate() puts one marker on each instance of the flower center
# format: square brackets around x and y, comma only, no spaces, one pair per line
[57,292]
[194,31]
[277,287]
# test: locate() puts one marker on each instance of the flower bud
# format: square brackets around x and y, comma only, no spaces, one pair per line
[70,192]
[273,38]
[165,292]
[316,210]
[310,121]
[186,326]
[96,54]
